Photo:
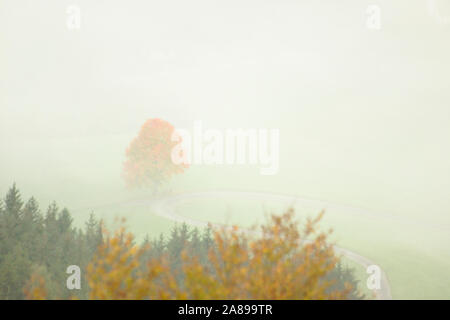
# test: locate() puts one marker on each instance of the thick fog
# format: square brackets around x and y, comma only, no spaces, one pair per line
[363,114]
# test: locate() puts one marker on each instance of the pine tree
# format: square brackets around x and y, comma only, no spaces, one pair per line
[175,246]
[30,242]
[157,247]
[207,238]
[2,230]
[64,221]
[160,245]
[31,213]
[195,243]
[32,229]
[14,272]
[52,250]
[94,236]
[13,202]
[11,218]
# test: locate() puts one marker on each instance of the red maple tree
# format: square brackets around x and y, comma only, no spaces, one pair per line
[148,157]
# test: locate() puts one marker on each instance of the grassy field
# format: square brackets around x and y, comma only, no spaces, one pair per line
[411,256]
[408,237]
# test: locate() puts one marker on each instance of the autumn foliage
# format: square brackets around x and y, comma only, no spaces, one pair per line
[276,261]
[148,157]
[35,288]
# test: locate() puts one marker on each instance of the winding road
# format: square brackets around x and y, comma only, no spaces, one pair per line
[166,207]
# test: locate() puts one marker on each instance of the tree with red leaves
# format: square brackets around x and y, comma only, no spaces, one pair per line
[148,157]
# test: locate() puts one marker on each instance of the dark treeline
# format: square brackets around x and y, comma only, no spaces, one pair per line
[33,242]
[46,244]
[182,239]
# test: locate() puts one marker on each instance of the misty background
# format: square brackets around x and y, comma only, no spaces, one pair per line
[364,115]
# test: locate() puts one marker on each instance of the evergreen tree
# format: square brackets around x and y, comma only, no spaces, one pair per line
[14,273]
[32,229]
[11,218]
[195,243]
[94,236]
[207,239]
[31,243]
[51,250]
[13,202]
[64,221]
[31,214]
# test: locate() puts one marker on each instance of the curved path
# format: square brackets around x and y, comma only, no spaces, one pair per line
[165,207]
